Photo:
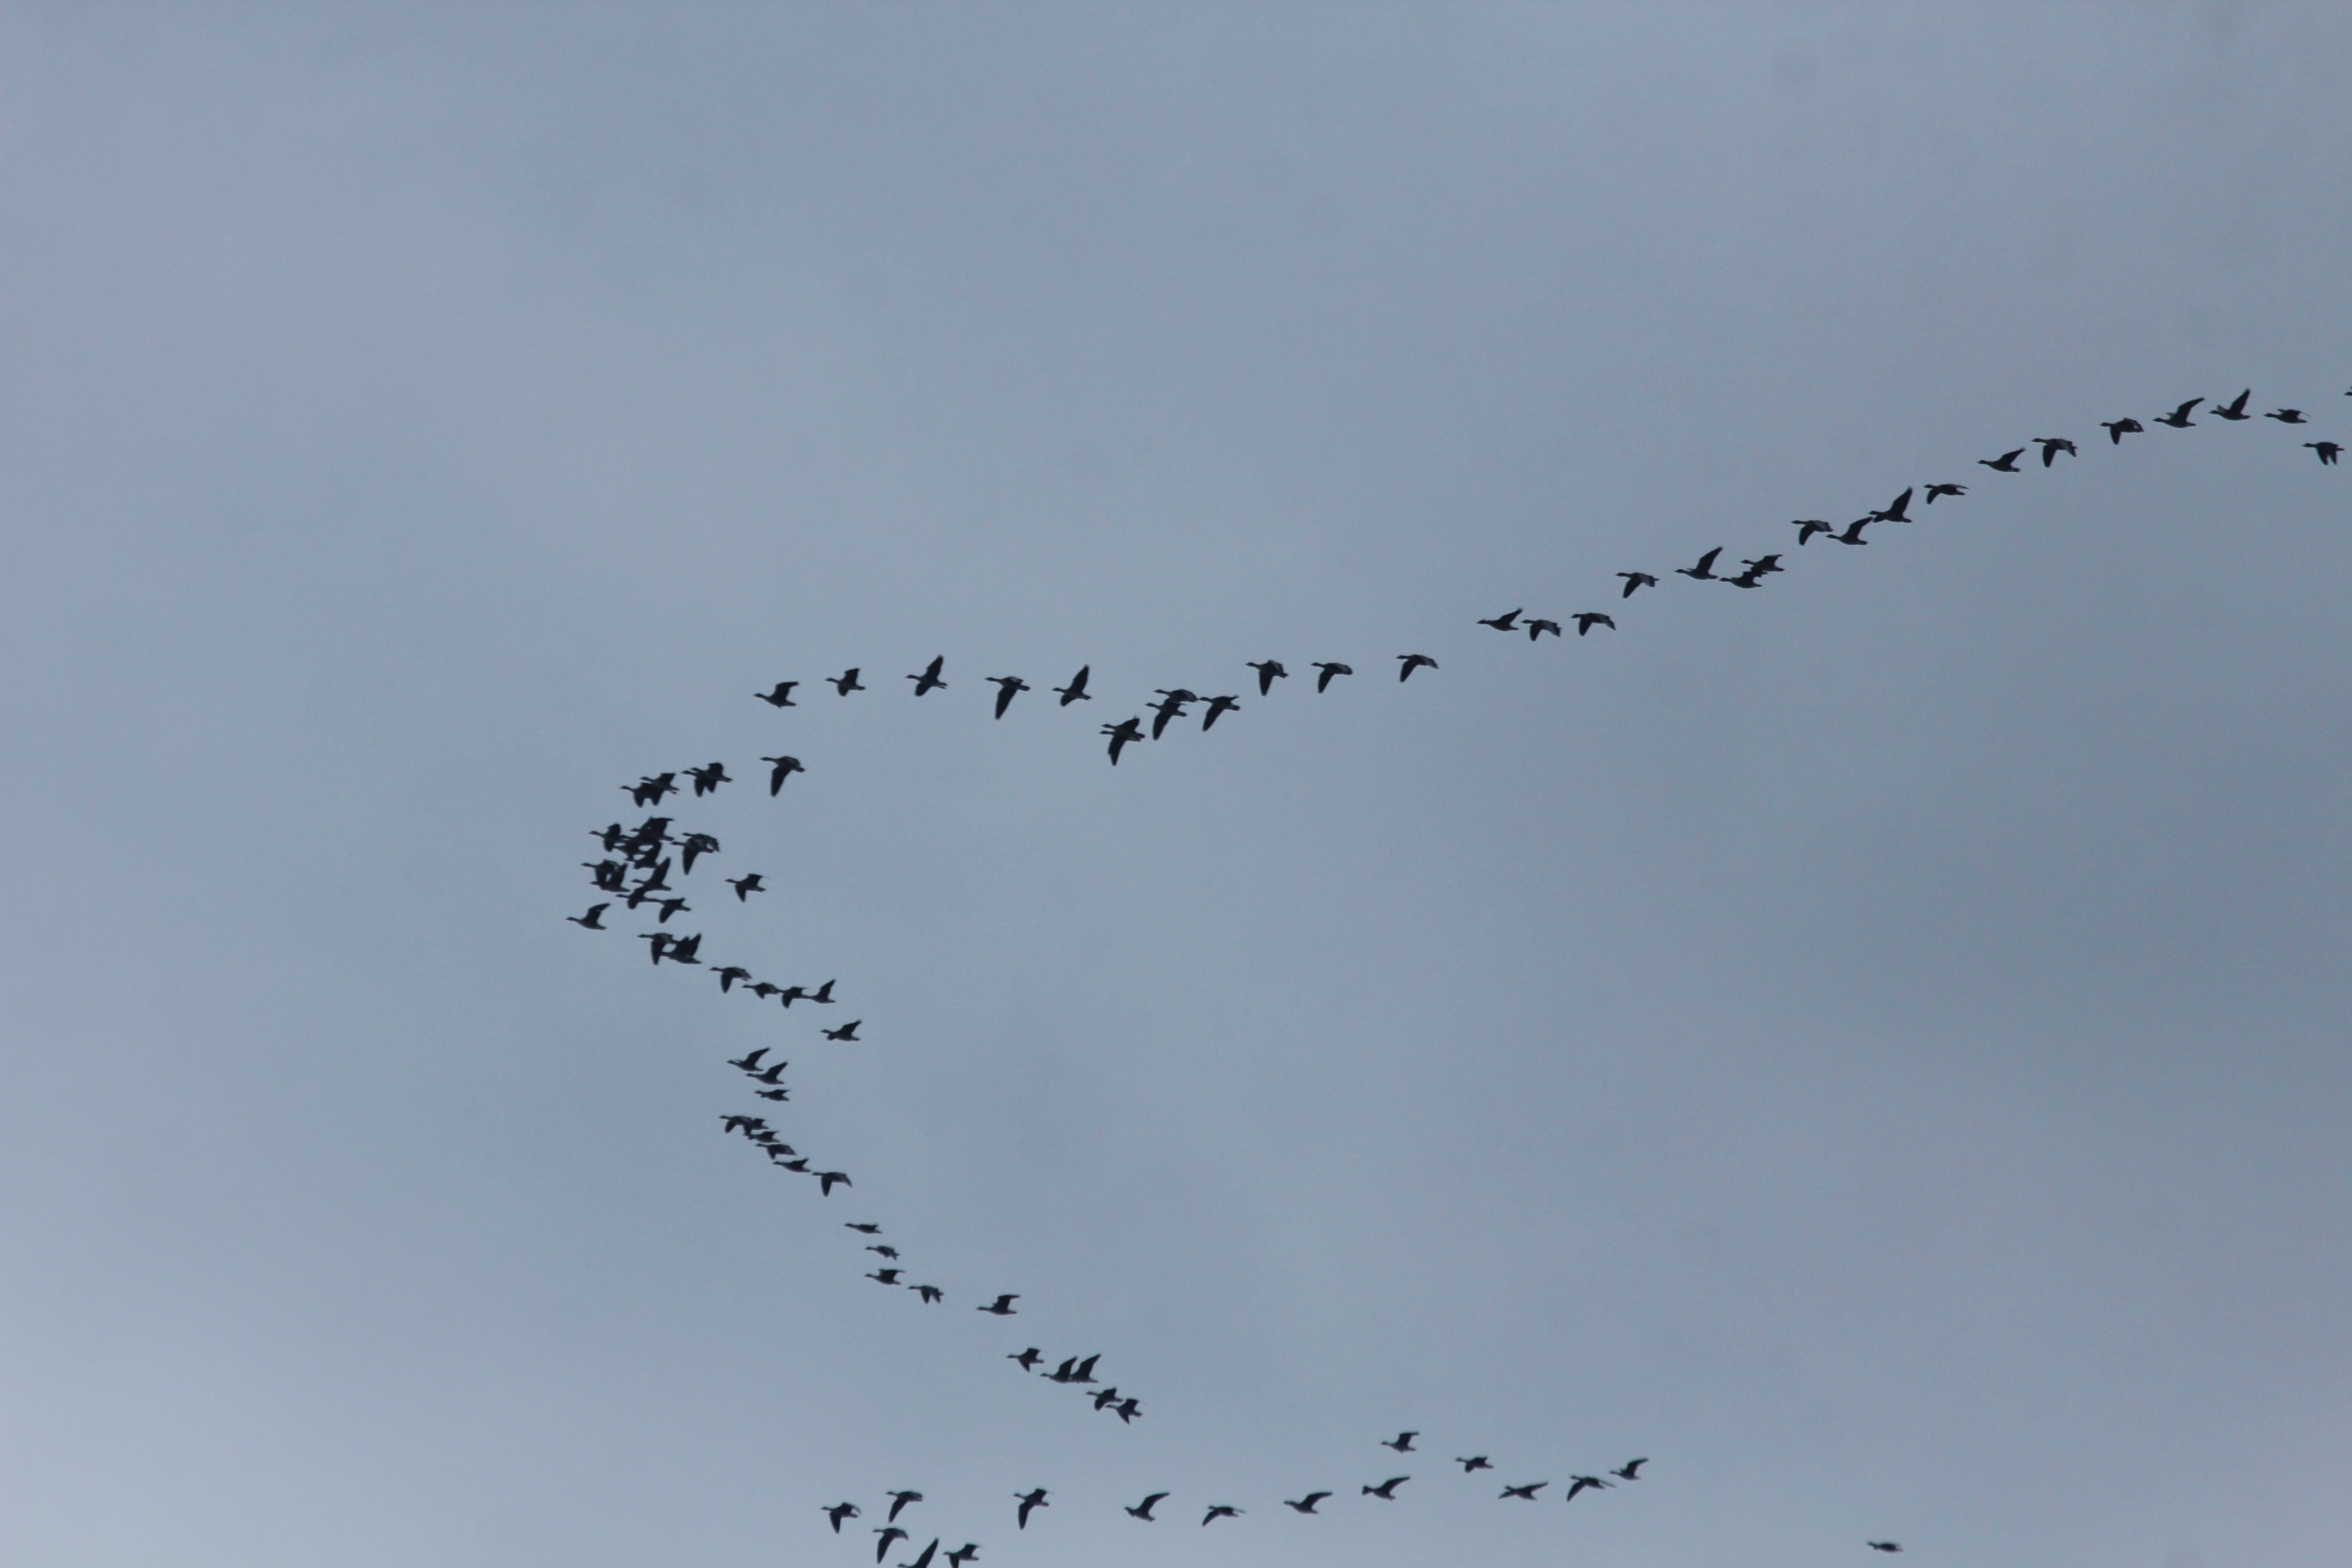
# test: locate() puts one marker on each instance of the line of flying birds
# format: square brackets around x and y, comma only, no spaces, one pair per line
[637,861]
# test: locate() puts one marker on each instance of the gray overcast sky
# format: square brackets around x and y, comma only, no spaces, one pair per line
[1876,1045]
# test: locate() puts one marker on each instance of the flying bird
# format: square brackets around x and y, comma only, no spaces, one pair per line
[1120,734]
[1884,1545]
[1128,1409]
[2052,445]
[847,1032]
[889,1533]
[1589,619]
[964,1553]
[2178,418]
[1537,628]
[1704,570]
[930,676]
[707,780]
[1076,691]
[782,696]
[884,1250]
[672,907]
[746,886]
[1525,1493]
[1170,708]
[1002,1307]
[2286,416]
[1807,526]
[2117,429]
[886,1276]
[1104,1397]
[823,994]
[931,1294]
[1508,622]
[1028,1501]
[775,1072]
[1306,1504]
[1584,1483]
[1475,1462]
[785,768]
[2235,408]
[1630,1470]
[1028,1360]
[1413,661]
[1760,565]
[1008,687]
[1934,491]
[861,1227]
[1269,670]
[1897,511]
[925,1560]
[1142,1510]
[730,975]
[846,682]
[897,1501]
[1636,580]
[1386,1491]
[593,919]
[2004,464]
[1401,1442]
[829,1180]
[2329,451]
[840,1511]
[1220,1510]
[693,845]
[1323,681]
[1218,705]
[1853,534]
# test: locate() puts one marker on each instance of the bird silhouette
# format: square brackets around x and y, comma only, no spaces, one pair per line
[1704,570]
[785,768]
[693,845]
[1934,491]
[2235,409]
[1142,1510]
[1306,1504]
[1386,1491]
[1269,670]
[2004,464]
[1401,1442]
[1584,1483]
[673,906]
[1636,580]
[886,1276]
[2329,451]
[1525,1493]
[931,1294]
[823,994]
[2178,418]
[1474,1462]
[774,1072]
[1008,687]
[1076,691]
[840,1511]
[1104,1397]
[1853,534]
[2286,416]
[1218,705]
[1323,681]
[745,885]
[2117,429]
[1413,661]
[1220,1510]
[847,1032]
[1630,1470]
[889,1533]
[1028,1360]
[1536,629]
[846,682]
[1168,709]
[924,1560]
[1120,734]
[1897,511]
[861,1226]
[1030,1501]
[1884,1545]
[1508,622]
[964,1553]
[899,1500]
[1807,526]
[1589,619]
[2052,445]
[730,975]
[707,780]
[930,676]
[884,1249]
[829,1180]
[1128,1409]
[593,919]
[1002,1307]
[782,696]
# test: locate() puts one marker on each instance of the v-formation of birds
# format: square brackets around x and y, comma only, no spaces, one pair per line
[636,863]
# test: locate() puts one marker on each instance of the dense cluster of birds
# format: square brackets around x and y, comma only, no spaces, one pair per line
[636,861]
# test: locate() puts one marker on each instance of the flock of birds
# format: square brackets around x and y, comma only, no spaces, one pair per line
[636,861]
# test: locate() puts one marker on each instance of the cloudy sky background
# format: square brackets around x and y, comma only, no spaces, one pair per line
[1874,1045]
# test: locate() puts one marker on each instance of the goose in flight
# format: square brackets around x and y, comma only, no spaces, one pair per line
[609,876]
[1269,670]
[1306,1504]
[2235,408]
[1761,565]
[846,682]
[2286,416]
[847,1032]
[884,1249]
[1751,578]
[1323,681]
[964,1553]
[1028,1360]
[2329,451]
[1076,691]
[773,1074]
[1636,580]
[861,1226]
[1807,526]
[1008,687]
[1170,708]
[1002,1307]
[778,1095]
[1220,1510]
[796,1163]
[693,845]
[1630,1470]
[2117,429]
[730,975]
[672,907]
[1386,1491]
[829,1180]
[1704,570]
[1884,1545]
[889,1533]
[1029,1500]
[662,941]
[2178,418]
[930,676]
[782,696]
[1401,1442]
[1934,491]
[649,790]
[1142,1510]
[899,1500]
[2052,445]
[931,1294]
[1120,734]
[1413,661]
[1128,1410]
[1218,705]
[925,1560]
[747,885]
[791,993]
[1537,628]
[840,1511]
[785,768]
[1508,622]
[1584,1483]
[1474,1462]
[1105,1397]
[1589,619]
[1525,1493]
[1897,511]
[593,919]
[746,1125]
[2004,464]
[1853,534]
[886,1276]
[708,779]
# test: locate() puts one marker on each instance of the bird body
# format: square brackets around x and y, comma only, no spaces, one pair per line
[1269,670]
[1306,1504]
[2329,451]
[1323,681]
[2178,418]
[2004,464]
[1636,580]
[785,768]
[1142,1510]
[929,678]
[1506,622]
[846,682]
[2235,408]
[1413,661]
[1029,1500]
[1008,687]
[1386,1491]
[1589,619]
[592,920]
[1076,691]
[1704,570]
